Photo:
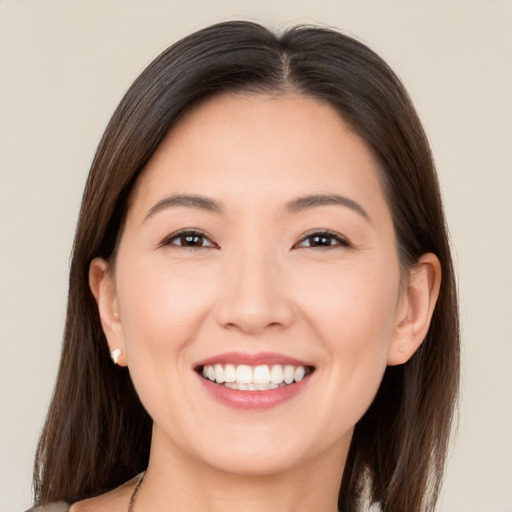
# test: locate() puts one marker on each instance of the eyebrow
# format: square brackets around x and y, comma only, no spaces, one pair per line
[312,201]
[187,200]
[294,206]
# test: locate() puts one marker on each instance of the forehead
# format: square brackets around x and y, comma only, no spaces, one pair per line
[239,147]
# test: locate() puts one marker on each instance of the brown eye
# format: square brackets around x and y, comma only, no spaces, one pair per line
[189,239]
[323,239]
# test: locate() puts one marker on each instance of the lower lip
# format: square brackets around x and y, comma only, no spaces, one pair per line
[253,400]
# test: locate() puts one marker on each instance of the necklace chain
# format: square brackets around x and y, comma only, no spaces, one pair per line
[131,505]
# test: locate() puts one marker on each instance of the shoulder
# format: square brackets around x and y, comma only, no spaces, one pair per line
[51,507]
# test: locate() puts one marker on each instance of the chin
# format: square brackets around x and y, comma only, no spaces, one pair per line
[271,453]
[250,462]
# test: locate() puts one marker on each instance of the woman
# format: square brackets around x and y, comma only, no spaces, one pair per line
[262,253]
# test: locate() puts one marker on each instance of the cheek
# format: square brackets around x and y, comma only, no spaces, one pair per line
[353,314]
[162,306]
[353,304]
[162,310]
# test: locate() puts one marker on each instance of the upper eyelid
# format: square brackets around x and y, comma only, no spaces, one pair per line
[196,231]
[193,231]
[325,232]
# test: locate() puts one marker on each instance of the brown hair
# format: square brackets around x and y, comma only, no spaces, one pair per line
[97,434]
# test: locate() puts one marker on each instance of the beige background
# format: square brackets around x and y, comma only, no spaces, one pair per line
[63,68]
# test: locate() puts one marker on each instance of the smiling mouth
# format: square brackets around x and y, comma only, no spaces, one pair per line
[254,378]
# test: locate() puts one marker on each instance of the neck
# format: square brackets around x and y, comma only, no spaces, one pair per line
[174,481]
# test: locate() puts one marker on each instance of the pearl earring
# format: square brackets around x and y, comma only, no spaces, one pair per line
[115,355]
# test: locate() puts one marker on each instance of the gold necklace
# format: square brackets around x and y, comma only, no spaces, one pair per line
[131,505]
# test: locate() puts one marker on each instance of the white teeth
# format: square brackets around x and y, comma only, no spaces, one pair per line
[261,375]
[288,374]
[229,373]
[299,374]
[250,387]
[276,374]
[219,373]
[258,378]
[243,374]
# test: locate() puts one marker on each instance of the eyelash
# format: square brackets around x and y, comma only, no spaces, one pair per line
[340,241]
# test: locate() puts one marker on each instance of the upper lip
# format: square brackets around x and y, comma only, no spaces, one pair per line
[256,359]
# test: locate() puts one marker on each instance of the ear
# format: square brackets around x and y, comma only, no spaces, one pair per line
[415,309]
[101,282]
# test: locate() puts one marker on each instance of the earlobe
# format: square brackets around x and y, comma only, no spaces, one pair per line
[102,286]
[415,309]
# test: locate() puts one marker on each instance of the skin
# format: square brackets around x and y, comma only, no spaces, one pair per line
[256,284]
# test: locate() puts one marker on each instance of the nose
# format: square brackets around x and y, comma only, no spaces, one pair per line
[254,299]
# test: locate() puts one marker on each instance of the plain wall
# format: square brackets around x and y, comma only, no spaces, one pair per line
[65,65]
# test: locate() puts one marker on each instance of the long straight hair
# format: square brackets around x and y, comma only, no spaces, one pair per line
[97,434]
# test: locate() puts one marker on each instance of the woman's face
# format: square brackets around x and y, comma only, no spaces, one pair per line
[257,239]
